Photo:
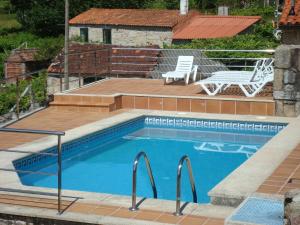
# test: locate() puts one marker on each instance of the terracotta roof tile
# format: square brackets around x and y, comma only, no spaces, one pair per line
[130,17]
[23,55]
[287,19]
[200,27]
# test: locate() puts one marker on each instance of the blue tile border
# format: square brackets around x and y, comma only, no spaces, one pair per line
[112,133]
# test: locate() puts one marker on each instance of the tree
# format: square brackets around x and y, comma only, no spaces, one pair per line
[46,17]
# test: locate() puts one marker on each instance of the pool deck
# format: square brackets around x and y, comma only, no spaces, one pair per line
[99,213]
[136,93]
[133,92]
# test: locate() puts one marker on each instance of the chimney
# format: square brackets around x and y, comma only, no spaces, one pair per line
[223,11]
[184,7]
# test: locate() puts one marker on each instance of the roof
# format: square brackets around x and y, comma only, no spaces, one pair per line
[286,19]
[130,17]
[23,55]
[199,27]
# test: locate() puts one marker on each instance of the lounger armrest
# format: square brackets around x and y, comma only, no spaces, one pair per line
[195,69]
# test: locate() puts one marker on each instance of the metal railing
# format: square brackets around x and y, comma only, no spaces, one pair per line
[22,91]
[178,211]
[135,165]
[58,155]
[151,62]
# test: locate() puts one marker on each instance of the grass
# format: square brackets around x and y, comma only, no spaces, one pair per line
[8,21]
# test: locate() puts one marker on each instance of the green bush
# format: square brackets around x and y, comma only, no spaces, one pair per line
[8,93]
[48,47]
[265,12]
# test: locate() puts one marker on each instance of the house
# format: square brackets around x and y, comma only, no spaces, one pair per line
[142,27]
[21,62]
[127,27]
[289,22]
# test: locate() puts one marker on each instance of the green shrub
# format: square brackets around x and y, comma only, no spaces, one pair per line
[265,12]
[8,93]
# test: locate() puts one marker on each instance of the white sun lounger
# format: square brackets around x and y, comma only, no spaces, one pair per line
[183,70]
[250,82]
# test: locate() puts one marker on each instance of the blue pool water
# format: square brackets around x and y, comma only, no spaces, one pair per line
[102,161]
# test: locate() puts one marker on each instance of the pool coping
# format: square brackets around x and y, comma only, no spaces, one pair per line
[10,180]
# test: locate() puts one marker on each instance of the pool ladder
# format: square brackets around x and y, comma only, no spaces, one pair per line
[183,159]
[134,206]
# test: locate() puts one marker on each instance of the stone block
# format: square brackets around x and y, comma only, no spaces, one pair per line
[283,57]
[297,58]
[297,108]
[289,76]
[278,79]
[289,92]
[20,222]
[279,108]
[289,110]
[292,207]
[278,95]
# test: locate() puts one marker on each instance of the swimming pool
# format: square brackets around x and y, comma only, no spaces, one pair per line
[102,161]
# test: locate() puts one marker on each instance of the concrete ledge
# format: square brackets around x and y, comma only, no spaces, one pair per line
[247,178]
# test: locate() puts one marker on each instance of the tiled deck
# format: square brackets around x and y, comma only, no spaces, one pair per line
[60,119]
[157,87]
[105,210]
[153,94]
[286,177]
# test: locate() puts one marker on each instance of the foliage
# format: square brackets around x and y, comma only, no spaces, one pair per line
[265,12]
[8,21]
[8,94]
[48,47]
[239,42]
[47,17]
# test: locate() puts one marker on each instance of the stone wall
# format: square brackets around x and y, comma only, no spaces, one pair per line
[128,36]
[74,32]
[292,207]
[287,80]
[291,36]
[54,84]
[136,36]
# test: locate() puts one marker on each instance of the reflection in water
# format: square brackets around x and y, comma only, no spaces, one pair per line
[248,150]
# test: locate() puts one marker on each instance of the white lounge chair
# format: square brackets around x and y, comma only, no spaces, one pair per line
[250,82]
[183,70]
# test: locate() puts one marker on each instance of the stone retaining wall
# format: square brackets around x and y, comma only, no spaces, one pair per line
[287,80]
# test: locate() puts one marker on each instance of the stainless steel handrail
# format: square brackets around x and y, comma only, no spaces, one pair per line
[178,186]
[135,164]
[59,158]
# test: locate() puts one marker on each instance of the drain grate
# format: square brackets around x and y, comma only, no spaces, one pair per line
[259,211]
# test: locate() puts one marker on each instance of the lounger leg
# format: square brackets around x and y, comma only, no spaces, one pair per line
[187,78]
[245,90]
[166,80]
[209,92]
[254,89]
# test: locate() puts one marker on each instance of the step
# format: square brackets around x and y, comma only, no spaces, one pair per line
[86,102]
